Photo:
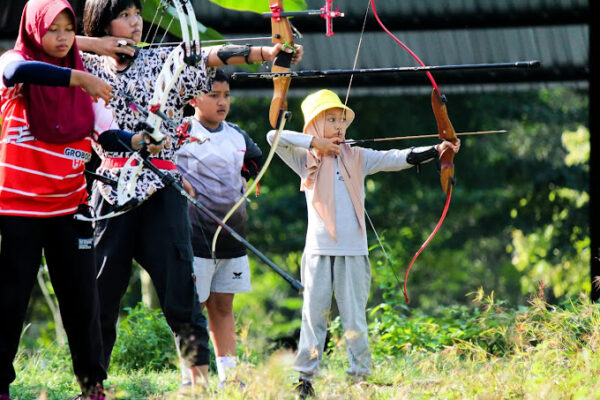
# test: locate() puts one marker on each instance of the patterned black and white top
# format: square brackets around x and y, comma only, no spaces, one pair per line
[138,81]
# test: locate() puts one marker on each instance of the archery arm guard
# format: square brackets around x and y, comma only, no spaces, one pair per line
[229,50]
[420,155]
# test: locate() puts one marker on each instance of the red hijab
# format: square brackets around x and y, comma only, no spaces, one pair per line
[55,114]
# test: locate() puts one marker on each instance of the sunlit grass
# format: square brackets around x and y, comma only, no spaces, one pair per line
[548,353]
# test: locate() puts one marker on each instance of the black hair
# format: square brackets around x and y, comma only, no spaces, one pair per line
[221,76]
[98,14]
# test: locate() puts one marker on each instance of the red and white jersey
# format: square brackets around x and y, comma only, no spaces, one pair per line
[37,179]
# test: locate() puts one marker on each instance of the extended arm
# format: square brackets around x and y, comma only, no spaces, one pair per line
[292,149]
[244,54]
[109,140]
[37,73]
[106,46]
[41,73]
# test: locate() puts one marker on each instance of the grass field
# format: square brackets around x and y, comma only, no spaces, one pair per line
[540,352]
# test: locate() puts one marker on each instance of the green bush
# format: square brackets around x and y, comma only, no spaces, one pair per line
[144,341]
[484,325]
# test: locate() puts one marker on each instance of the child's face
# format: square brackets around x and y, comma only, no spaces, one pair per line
[59,38]
[128,24]
[212,108]
[335,123]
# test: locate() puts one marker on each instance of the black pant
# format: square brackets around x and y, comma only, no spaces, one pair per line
[157,235]
[69,253]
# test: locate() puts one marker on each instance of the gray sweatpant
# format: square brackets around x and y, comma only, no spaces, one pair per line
[349,278]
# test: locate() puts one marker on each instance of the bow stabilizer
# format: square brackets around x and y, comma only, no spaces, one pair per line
[314,73]
[169,180]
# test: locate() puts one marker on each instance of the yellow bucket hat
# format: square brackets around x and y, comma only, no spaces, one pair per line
[320,101]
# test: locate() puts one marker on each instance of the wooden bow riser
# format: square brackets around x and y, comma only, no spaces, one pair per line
[279,100]
[281,32]
[445,132]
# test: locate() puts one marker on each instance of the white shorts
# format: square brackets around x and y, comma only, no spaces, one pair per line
[227,276]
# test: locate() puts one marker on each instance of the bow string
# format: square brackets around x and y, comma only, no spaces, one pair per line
[445,132]
[188,53]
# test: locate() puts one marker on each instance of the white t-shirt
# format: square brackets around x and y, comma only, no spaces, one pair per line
[213,168]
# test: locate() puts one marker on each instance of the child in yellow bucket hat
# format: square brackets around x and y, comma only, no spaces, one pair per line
[335,258]
[320,101]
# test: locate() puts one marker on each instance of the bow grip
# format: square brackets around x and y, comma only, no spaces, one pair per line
[281,63]
[283,59]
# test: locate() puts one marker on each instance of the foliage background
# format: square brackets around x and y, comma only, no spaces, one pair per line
[519,213]
[518,224]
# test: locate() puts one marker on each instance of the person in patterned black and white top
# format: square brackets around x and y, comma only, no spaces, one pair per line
[156,233]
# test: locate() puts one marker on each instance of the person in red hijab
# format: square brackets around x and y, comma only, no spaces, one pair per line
[48,124]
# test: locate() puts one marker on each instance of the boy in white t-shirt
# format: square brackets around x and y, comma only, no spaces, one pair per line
[217,170]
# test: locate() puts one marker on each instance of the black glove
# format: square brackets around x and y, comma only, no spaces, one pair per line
[251,167]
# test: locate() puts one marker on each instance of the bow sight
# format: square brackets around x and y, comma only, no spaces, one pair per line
[326,12]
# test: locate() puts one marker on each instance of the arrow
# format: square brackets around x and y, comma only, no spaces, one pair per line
[142,45]
[434,135]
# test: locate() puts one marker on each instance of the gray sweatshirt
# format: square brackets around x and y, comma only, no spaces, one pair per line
[293,148]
